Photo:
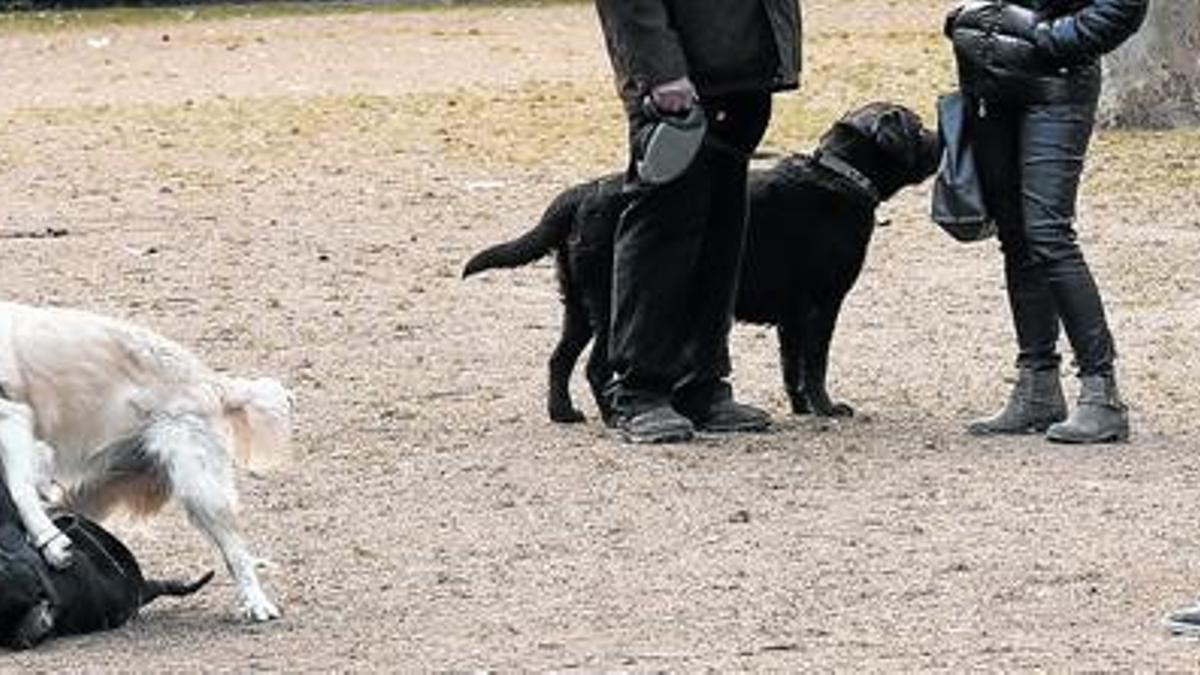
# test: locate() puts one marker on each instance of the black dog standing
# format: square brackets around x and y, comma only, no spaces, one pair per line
[811,219]
[101,589]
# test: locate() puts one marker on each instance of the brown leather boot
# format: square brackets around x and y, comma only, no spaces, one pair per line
[1100,416]
[1036,402]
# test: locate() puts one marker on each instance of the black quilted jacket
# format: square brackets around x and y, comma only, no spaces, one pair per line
[1039,51]
[724,46]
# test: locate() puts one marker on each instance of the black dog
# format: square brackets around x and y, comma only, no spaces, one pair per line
[101,589]
[811,218]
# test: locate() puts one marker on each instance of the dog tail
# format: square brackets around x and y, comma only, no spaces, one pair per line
[550,233]
[260,412]
[155,588]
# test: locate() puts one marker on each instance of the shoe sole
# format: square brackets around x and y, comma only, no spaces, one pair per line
[680,436]
[1118,437]
[1180,628]
[1038,428]
[757,427]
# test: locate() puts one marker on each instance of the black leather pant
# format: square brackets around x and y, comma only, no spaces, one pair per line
[677,256]
[1030,161]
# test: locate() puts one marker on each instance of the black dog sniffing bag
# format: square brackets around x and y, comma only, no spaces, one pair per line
[957,205]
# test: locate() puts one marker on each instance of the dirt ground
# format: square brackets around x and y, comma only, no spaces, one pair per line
[295,195]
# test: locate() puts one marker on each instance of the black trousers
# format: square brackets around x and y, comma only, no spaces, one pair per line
[1030,161]
[677,256]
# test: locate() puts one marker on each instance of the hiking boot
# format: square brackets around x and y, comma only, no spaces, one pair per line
[1184,622]
[1100,416]
[656,424]
[1036,402]
[728,416]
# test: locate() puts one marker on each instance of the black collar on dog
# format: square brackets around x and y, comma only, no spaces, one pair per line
[850,175]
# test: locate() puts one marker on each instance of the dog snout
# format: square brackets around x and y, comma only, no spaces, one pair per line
[930,153]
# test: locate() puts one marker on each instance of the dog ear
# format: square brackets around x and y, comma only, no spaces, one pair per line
[894,133]
[888,128]
[844,132]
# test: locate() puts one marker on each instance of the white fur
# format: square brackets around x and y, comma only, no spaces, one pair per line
[110,415]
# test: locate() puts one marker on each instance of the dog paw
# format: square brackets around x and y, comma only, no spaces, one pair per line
[569,416]
[34,627]
[820,405]
[57,552]
[838,410]
[259,609]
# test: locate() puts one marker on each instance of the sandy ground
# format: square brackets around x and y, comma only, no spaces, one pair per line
[295,195]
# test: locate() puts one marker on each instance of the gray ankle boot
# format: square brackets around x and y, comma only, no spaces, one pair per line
[1036,402]
[1100,416]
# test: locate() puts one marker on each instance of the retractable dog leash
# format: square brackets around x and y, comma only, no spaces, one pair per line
[668,145]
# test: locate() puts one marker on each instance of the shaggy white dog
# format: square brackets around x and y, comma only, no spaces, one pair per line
[111,415]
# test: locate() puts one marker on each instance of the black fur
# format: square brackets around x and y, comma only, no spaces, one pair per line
[101,589]
[807,239]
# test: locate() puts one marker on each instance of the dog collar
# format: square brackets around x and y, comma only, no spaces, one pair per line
[850,174]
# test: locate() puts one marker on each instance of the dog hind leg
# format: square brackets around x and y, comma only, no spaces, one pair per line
[576,332]
[199,469]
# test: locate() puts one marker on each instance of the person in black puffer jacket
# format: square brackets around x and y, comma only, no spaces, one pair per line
[1031,69]
[678,245]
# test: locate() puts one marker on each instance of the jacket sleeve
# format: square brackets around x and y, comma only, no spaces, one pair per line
[641,42]
[1092,31]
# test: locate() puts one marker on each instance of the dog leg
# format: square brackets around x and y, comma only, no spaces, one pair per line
[220,526]
[599,374]
[18,454]
[818,335]
[804,357]
[199,469]
[791,360]
[575,335]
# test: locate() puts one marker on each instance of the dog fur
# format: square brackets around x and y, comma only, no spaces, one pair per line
[122,417]
[809,226]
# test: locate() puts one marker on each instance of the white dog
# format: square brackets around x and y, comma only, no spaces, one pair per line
[118,416]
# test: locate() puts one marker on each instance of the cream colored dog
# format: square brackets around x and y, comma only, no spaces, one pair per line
[113,415]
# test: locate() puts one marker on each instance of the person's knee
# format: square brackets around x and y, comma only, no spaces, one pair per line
[1048,246]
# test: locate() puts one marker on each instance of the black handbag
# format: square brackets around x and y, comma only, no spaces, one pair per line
[958,206]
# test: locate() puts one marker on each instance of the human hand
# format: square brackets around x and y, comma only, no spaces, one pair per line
[674,97]
[1018,21]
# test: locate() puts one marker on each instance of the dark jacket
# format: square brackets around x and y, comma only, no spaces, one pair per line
[724,46]
[1039,51]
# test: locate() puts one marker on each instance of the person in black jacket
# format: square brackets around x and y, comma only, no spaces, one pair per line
[679,243]
[1031,69]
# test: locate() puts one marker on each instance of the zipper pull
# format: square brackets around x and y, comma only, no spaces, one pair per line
[982,107]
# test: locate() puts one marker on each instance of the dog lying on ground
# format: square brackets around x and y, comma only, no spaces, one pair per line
[122,417]
[811,219]
[102,588]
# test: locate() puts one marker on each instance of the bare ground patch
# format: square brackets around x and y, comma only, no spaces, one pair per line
[296,195]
